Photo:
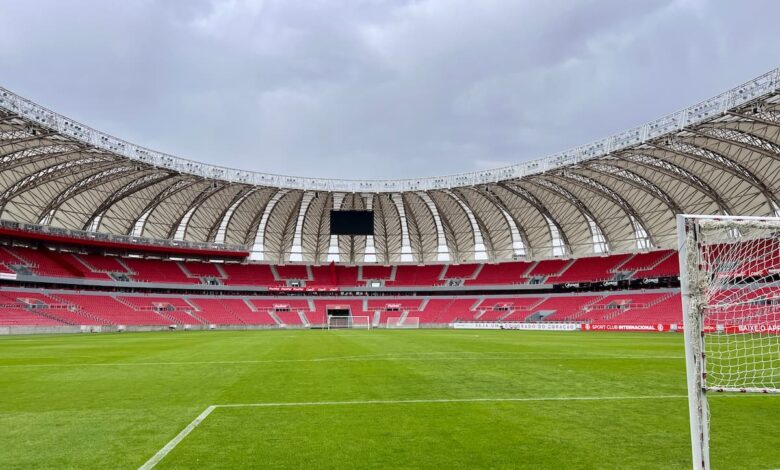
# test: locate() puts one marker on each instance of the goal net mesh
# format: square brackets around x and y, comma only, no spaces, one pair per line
[342,322]
[734,281]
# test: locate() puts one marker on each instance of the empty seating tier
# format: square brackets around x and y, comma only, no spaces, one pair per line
[71,308]
[44,262]
[417,276]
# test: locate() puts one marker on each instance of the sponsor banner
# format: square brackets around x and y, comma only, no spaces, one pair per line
[751,328]
[493,325]
[302,289]
[651,327]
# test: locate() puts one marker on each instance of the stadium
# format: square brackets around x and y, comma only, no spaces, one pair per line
[191,315]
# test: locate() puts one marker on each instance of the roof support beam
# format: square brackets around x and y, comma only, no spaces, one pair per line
[715,159]
[334,256]
[520,245]
[589,184]
[90,182]
[735,137]
[219,229]
[140,223]
[406,248]
[15,143]
[129,189]
[369,255]
[180,225]
[751,118]
[678,173]
[584,211]
[633,179]
[480,253]
[45,175]
[530,199]
[442,250]
[296,252]
[258,248]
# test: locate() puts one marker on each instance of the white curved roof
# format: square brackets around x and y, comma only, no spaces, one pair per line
[618,194]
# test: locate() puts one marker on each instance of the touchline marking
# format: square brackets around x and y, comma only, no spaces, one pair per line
[384,357]
[442,400]
[156,458]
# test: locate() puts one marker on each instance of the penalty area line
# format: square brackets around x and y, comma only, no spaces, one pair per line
[156,458]
[167,448]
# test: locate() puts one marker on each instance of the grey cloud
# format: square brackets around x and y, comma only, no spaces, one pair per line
[377,89]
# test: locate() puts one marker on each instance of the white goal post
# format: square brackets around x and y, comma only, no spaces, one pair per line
[730,283]
[344,322]
[400,322]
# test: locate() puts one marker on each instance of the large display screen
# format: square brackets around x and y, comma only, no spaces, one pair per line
[351,222]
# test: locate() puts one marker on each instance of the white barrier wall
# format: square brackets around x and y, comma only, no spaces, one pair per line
[517,326]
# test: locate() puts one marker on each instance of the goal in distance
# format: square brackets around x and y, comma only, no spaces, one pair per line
[730,283]
[336,322]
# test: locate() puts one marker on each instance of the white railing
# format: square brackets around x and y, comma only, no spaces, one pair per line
[707,109]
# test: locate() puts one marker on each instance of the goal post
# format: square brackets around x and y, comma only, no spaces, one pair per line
[402,323]
[730,284]
[360,322]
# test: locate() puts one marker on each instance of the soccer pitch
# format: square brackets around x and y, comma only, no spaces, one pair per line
[364,399]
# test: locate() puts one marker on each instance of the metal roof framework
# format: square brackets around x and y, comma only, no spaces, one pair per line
[721,156]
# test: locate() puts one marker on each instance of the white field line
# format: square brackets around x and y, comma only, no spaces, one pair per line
[175,441]
[443,400]
[156,458]
[475,356]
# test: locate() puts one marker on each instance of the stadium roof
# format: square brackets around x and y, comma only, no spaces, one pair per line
[619,194]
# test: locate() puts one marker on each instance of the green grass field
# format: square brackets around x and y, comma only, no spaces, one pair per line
[113,400]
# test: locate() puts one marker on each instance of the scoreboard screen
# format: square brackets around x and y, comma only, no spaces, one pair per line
[351,222]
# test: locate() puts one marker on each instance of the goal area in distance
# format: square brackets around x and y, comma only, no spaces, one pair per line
[402,323]
[336,322]
[730,283]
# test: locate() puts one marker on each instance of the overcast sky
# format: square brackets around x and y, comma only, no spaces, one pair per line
[377,88]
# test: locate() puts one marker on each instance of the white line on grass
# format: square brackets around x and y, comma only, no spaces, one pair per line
[175,441]
[505,356]
[156,458]
[443,400]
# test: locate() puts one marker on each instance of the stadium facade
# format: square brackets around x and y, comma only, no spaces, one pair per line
[617,195]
